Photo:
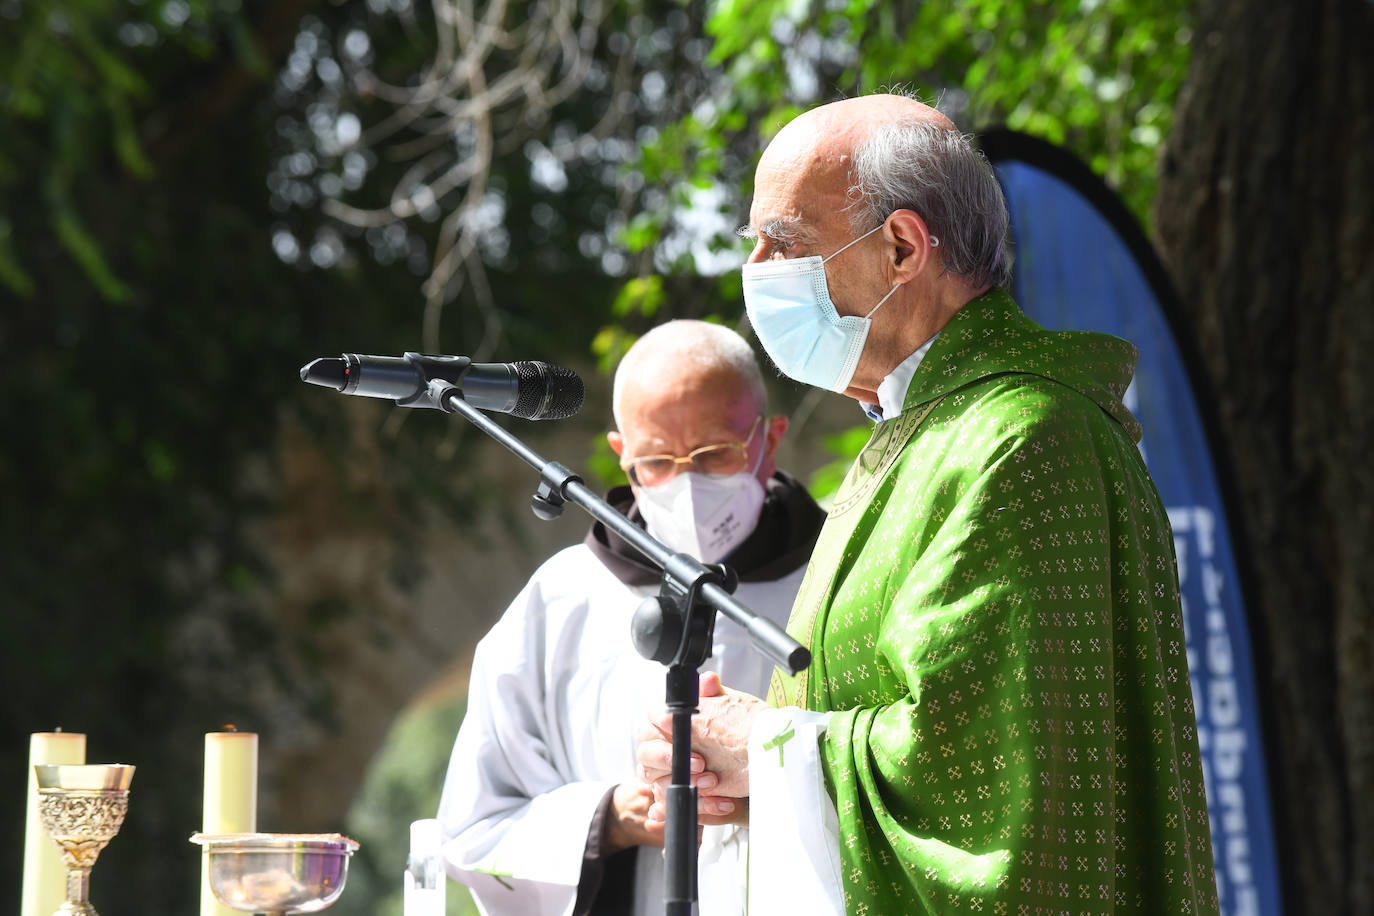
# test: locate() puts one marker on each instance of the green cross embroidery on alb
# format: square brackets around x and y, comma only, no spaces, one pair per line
[778,740]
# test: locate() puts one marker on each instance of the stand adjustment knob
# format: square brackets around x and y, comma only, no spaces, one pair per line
[656,629]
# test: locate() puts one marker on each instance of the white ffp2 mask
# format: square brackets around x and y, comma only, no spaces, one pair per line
[704,516]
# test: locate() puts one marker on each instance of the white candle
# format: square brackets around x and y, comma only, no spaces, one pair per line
[231,799]
[45,877]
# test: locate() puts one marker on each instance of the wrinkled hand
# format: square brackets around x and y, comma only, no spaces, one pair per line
[720,752]
[630,824]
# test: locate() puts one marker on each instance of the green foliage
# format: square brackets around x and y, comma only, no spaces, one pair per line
[609,345]
[12,274]
[84,69]
[845,446]
[151,340]
[84,249]
[1097,76]
[642,295]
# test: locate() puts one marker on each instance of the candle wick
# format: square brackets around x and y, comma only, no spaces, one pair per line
[231,727]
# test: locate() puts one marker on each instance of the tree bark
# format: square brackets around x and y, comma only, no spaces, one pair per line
[1265,218]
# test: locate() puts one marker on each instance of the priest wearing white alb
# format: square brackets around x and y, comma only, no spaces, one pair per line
[542,812]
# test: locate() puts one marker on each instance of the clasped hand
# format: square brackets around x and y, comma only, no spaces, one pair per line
[720,753]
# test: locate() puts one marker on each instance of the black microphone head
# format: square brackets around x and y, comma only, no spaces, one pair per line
[546,392]
[326,372]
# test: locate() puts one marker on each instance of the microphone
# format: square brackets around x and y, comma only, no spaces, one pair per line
[527,389]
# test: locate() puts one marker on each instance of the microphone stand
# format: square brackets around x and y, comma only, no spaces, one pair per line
[674,628]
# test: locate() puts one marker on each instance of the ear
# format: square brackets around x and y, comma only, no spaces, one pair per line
[616,441]
[774,429]
[777,427]
[912,246]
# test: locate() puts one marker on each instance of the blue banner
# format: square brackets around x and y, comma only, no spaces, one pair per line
[1082,262]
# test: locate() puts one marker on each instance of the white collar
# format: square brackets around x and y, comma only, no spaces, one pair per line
[892,390]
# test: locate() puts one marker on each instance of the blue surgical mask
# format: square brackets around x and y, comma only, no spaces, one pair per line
[789,306]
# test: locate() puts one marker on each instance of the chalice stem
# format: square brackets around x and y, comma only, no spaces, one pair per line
[78,894]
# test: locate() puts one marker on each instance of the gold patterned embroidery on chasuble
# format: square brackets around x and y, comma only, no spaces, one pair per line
[858,498]
[994,619]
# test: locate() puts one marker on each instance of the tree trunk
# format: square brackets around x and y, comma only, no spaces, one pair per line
[1265,218]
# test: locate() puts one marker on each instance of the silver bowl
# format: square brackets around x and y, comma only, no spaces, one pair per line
[277,873]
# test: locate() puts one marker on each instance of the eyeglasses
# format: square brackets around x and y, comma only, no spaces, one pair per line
[719,460]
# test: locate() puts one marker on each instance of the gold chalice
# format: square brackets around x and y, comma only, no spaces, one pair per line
[82,808]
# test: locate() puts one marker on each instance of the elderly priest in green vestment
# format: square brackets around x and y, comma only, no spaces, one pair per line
[997,718]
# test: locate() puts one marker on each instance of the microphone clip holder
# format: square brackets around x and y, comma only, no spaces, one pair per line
[670,627]
[441,375]
[547,502]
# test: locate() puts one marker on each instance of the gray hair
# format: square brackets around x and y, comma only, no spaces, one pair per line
[700,343]
[935,171]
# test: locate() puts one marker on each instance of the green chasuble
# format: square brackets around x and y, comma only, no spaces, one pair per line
[993,614]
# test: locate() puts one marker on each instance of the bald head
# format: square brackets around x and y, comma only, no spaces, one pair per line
[833,131]
[822,142]
[689,384]
[682,355]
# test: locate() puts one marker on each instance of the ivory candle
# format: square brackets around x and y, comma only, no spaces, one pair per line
[231,799]
[45,877]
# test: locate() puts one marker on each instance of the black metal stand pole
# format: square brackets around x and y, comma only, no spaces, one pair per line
[680,836]
[675,628]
